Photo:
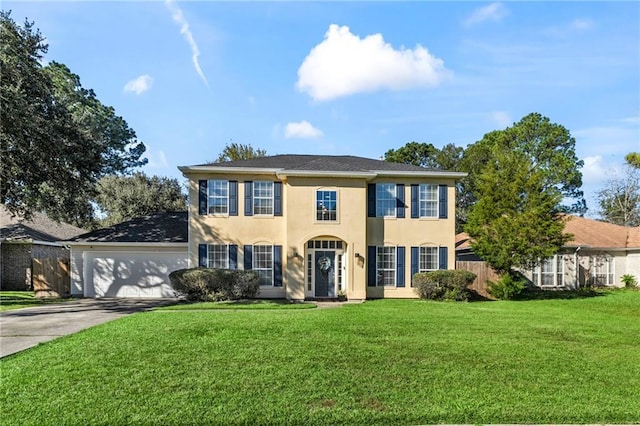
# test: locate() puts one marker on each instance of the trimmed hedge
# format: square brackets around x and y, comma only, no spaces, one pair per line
[203,284]
[443,285]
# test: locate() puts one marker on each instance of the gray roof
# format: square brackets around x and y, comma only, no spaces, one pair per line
[166,227]
[38,228]
[326,163]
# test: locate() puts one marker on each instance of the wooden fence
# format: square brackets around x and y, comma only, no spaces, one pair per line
[483,273]
[51,277]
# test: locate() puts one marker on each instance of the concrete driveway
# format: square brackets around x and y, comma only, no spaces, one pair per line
[21,329]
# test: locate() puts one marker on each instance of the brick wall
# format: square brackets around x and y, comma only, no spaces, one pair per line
[15,262]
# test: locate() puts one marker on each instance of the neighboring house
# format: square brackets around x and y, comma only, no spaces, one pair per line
[22,241]
[316,226]
[130,259]
[599,254]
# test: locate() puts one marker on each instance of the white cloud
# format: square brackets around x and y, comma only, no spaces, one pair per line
[178,18]
[303,130]
[139,85]
[157,159]
[501,118]
[492,12]
[594,170]
[581,24]
[611,140]
[344,64]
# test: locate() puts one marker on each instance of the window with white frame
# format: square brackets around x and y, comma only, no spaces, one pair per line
[428,200]
[326,206]
[602,270]
[218,256]
[218,196]
[550,272]
[386,266]
[428,259]
[262,198]
[263,264]
[386,199]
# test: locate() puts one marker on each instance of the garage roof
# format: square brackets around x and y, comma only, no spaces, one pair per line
[166,227]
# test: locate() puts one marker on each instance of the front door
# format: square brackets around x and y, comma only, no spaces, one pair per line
[325,268]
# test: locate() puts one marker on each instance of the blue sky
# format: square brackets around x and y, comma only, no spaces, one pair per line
[352,78]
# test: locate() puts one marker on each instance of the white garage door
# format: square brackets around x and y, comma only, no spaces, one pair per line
[131,274]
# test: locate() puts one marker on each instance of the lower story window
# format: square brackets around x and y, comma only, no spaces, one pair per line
[263,264]
[550,273]
[386,266]
[602,270]
[218,256]
[428,259]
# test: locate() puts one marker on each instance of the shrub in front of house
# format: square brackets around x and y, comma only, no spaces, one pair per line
[443,285]
[204,284]
[507,287]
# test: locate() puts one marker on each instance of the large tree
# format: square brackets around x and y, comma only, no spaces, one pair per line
[551,150]
[633,159]
[516,221]
[122,198]
[619,200]
[57,139]
[237,151]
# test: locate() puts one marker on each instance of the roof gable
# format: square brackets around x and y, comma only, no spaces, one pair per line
[38,228]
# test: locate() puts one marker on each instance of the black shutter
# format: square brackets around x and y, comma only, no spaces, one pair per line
[371,266]
[202,255]
[415,261]
[233,256]
[202,197]
[233,198]
[248,198]
[400,272]
[400,200]
[443,201]
[442,258]
[277,198]
[415,190]
[248,258]
[277,266]
[371,200]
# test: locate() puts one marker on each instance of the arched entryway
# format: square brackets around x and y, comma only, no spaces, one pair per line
[325,264]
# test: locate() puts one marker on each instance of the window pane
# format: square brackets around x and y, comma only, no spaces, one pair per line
[428,200]
[428,259]
[263,264]
[386,266]
[262,197]
[218,196]
[326,205]
[217,256]
[385,199]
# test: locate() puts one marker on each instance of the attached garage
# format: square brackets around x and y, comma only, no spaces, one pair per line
[132,259]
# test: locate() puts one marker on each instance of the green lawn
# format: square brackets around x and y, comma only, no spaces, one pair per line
[240,304]
[381,362]
[21,299]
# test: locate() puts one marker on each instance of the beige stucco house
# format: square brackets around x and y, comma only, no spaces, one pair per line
[317,226]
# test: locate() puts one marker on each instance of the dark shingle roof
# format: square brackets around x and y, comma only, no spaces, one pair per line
[328,163]
[38,228]
[168,227]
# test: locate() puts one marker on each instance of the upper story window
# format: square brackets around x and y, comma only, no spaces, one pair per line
[428,200]
[218,196]
[386,200]
[263,197]
[326,206]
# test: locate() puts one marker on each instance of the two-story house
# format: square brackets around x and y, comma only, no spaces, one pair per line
[317,226]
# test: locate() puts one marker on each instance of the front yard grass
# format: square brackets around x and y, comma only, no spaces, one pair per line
[22,299]
[381,362]
[240,304]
